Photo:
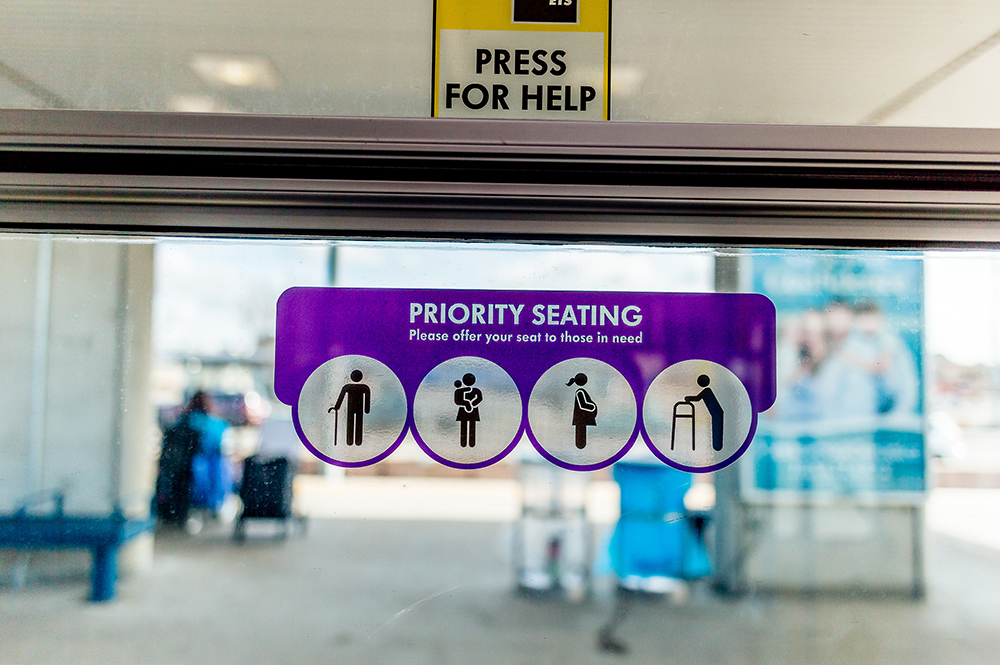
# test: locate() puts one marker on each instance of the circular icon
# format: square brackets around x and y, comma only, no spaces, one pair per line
[697,416]
[352,411]
[581,414]
[467,413]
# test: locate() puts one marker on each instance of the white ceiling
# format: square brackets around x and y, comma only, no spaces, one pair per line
[915,62]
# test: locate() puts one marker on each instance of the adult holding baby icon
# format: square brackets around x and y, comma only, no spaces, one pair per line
[468,400]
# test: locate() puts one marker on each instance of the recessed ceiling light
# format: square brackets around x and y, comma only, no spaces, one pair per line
[243,71]
[625,79]
[199,104]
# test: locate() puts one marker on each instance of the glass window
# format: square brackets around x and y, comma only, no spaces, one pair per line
[863,501]
[152,455]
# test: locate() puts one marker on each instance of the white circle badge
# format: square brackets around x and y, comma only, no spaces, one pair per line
[697,416]
[352,411]
[467,413]
[582,413]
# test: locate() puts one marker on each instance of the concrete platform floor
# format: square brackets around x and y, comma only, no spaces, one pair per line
[410,591]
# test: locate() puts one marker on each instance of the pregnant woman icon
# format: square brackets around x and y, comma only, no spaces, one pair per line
[584,410]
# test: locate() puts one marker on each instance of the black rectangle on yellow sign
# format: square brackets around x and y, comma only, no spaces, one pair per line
[546,11]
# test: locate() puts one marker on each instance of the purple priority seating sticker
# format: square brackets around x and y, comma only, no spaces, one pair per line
[581,374]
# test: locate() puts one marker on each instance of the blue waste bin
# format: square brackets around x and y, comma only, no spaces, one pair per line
[655,535]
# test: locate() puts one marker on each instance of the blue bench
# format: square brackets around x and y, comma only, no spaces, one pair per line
[102,535]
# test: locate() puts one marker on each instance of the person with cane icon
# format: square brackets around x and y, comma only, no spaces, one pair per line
[359,399]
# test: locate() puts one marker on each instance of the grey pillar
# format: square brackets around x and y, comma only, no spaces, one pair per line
[728,516]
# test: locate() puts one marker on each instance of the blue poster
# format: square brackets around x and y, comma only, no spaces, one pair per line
[849,415]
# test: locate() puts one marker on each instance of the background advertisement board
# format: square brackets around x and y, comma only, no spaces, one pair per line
[849,417]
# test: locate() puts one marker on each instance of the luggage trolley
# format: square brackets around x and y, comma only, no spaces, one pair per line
[266,493]
[552,540]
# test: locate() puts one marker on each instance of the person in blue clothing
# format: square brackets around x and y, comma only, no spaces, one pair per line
[211,475]
[714,409]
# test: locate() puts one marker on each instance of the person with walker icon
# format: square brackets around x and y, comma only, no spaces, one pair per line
[714,410]
[359,401]
[584,410]
[468,400]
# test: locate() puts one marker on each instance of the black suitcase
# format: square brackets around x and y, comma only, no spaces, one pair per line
[266,491]
[172,497]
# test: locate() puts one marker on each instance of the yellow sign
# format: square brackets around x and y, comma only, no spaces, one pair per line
[525,59]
